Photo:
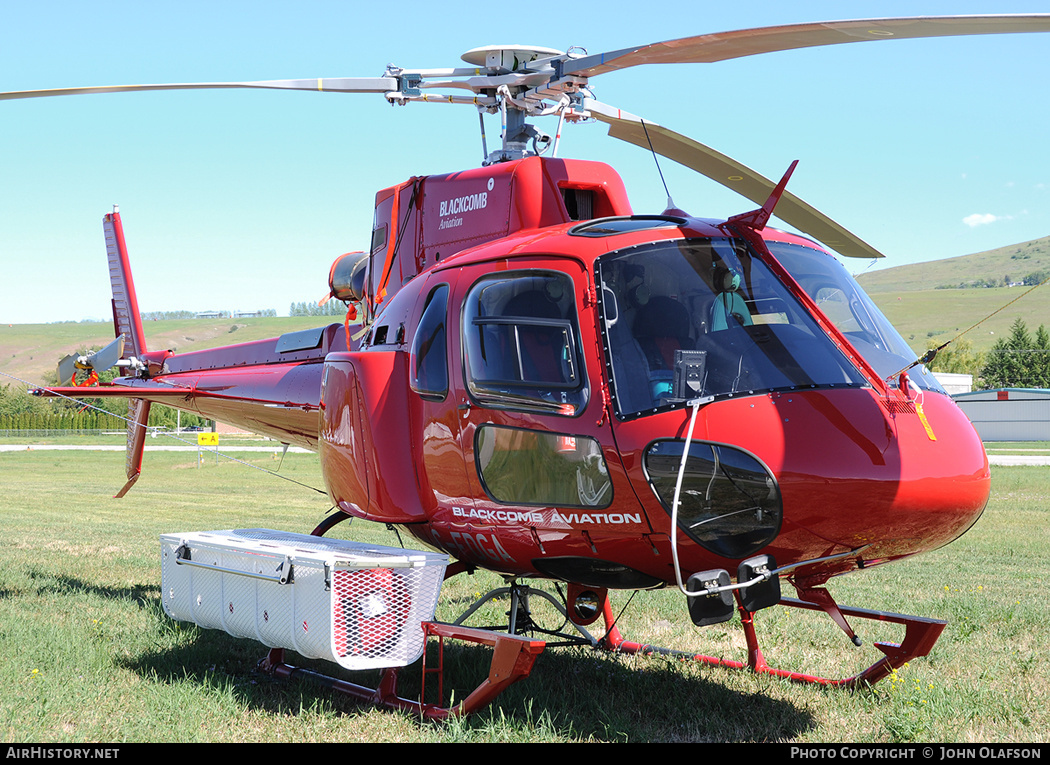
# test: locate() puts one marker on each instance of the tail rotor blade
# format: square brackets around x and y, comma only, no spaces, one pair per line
[67,367]
[102,360]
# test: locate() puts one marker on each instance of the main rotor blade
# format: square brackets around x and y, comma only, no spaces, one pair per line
[731,174]
[336,85]
[722,46]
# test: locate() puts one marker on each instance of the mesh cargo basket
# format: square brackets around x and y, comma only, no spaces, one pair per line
[358,605]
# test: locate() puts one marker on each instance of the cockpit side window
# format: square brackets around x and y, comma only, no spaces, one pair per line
[521,343]
[531,467]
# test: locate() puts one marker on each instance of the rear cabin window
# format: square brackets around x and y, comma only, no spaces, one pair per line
[521,343]
[529,467]
[429,358]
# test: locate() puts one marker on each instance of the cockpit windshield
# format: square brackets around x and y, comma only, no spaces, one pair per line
[703,317]
[842,300]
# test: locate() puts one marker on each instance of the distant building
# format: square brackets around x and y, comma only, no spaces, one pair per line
[227,314]
[954,383]
[1008,414]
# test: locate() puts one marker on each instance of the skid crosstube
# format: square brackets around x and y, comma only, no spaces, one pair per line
[512,659]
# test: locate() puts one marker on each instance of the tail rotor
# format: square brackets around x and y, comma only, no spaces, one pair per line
[96,362]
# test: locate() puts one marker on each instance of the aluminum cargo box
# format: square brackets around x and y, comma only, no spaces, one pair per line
[358,605]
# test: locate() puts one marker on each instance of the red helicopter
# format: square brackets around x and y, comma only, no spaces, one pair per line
[609,400]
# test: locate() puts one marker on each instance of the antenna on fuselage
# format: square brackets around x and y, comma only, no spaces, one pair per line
[672,208]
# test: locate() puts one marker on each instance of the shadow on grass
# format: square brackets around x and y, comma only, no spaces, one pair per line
[572,694]
[588,694]
[48,583]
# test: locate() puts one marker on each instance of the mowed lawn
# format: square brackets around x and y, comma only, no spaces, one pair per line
[89,656]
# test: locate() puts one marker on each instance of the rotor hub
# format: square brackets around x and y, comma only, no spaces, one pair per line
[508,58]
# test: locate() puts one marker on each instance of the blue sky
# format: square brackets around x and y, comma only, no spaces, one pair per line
[241,199]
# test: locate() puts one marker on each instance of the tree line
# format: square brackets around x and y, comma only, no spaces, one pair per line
[330,308]
[1020,360]
[163,315]
[21,411]
[1029,280]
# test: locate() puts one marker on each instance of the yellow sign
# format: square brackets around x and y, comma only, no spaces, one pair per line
[207,439]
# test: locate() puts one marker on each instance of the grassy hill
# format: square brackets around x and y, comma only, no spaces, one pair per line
[29,351]
[1015,261]
[914,299]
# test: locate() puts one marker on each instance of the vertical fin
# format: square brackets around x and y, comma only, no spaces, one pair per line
[138,416]
[127,321]
[126,317]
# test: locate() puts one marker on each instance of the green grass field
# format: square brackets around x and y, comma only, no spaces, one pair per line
[89,655]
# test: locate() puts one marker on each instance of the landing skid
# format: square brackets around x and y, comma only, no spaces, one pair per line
[920,635]
[514,652]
